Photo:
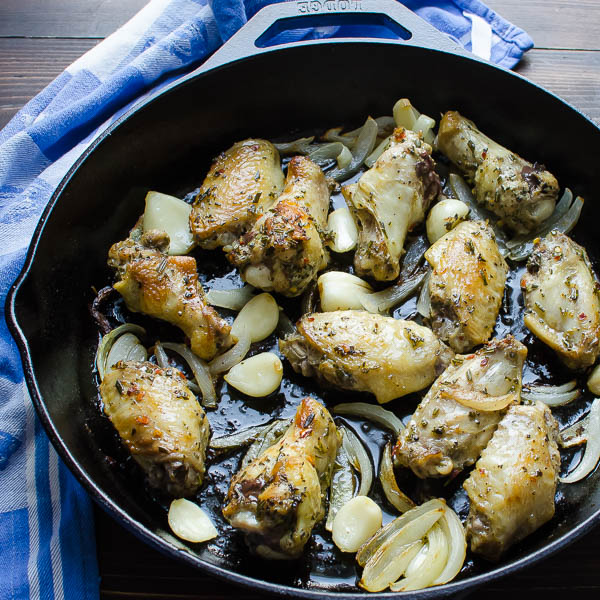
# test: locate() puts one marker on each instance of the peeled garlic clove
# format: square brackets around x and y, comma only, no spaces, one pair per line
[259,317]
[355,523]
[593,383]
[257,376]
[172,215]
[189,522]
[343,230]
[444,216]
[341,291]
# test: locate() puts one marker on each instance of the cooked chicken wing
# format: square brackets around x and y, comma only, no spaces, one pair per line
[243,183]
[445,434]
[160,422]
[357,350]
[513,484]
[389,200]
[279,497]
[562,307]
[466,285]
[284,250]
[520,193]
[167,287]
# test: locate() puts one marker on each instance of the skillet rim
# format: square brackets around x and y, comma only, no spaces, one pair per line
[136,527]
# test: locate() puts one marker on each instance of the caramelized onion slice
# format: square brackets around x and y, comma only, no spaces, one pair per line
[384,300]
[427,565]
[591,454]
[435,507]
[233,356]
[359,458]
[233,299]
[551,395]
[457,546]
[396,497]
[201,373]
[127,351]
[372,412]
[342,486]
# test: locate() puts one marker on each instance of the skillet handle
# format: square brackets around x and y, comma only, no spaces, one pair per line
[284,16]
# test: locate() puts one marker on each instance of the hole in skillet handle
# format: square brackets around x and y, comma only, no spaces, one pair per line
[334,25]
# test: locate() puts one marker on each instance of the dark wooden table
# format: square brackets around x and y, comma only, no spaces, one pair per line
[39,38]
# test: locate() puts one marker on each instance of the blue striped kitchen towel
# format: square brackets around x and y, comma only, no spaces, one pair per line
[47,547]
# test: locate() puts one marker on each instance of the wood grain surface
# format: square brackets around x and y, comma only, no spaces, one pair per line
[39,38]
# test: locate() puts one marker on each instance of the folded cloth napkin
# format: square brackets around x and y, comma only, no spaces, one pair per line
[47,547]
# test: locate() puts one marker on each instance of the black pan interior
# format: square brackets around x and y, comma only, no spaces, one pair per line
[168,146]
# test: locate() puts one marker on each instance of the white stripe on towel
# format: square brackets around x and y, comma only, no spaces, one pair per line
[481,36]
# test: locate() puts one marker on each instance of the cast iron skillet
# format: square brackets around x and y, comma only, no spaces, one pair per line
[166,143]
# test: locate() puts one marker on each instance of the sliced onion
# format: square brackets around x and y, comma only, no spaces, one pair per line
[575,434]
[425,125]
[257,376]
[359,458]
[269,437]
[384,300]
[342,291]
[201,373]
[233,356]
[284,325]
[550,395]
[355,523]
[341,226]
[476,400]
[591,454]
[379,150]
[335,135]
[324,154]
[424,301]
[365,142]
[405,115]
[172,215]
[107,341]
[259,318]
[396,497]
[237,439]
[392,570]
[415,252]
[433,508]
[161,356]
[299,146]
[457,546]
[126,347]
[233,299]
[372,412]
[563,219]
[380,570]
[342,485]
[428,565]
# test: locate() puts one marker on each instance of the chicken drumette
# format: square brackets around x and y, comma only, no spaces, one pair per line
[278,498]
[284,251]
[520,193]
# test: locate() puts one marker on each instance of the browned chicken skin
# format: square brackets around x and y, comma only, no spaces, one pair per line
[466,285]
[520,193]
[512,487]
[357,350]
[562,307]
[242,184]
[160,422]
[284,250]
[279,497]
[167,287]
[444,435]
